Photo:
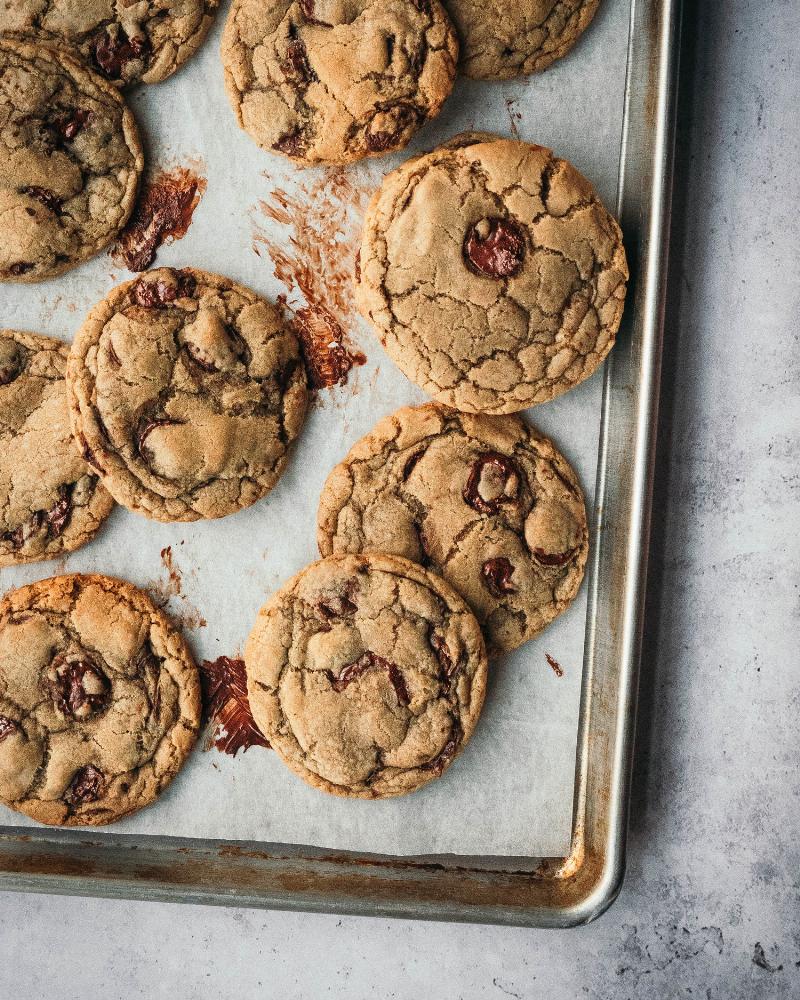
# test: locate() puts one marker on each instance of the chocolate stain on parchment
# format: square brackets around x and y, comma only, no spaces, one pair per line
[558,670]
[514,116]
[315,260]
[167,593]
[226,708]
[163,213]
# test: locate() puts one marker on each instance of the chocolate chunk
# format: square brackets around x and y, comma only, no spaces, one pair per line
[493,480]
[21,267]
[145,428]
[388,126]
[554,558]
[337,606]
[495,248]
[19,535]
[365,662]
[444,656]
[297,63]
[7,727]
[59,514]
[88,455]
[292,143]
[79,687]
[309,9]
[112,51]
[411,462]
[70,123]
[157,294]
[496,575]
[448,751]
[45,196]
[88,785]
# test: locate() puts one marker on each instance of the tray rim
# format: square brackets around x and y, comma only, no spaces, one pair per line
[525,892]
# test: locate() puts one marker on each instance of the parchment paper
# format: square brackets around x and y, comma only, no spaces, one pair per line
[511,792]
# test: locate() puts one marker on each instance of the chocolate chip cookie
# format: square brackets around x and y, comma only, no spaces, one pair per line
[70,162]
[506,38]
[127,41]
[486,501]
[186,391]
[367,674]
[50,500]
[99,700]
[331,81]
[494,276]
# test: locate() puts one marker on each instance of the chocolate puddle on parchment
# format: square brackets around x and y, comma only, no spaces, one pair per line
[315,258]
[226,707]
[163,213]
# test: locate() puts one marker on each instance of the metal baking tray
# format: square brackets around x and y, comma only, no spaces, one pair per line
[530,891]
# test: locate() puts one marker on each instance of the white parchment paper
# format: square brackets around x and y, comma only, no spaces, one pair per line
[511,792]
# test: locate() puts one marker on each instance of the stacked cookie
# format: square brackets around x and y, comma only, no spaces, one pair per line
[452,532]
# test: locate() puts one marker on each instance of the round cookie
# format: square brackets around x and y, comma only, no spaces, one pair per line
[487,502]
[332,81]
[494,276]
[366,674]
[126,42]
[50,500]
[99,700]
[506,38]
[70,162]
[186,391]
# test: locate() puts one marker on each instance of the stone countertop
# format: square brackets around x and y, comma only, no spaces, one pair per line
[710,906]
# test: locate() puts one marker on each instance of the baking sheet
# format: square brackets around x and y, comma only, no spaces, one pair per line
[511,791]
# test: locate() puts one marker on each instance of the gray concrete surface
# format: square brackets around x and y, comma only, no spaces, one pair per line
[710,907]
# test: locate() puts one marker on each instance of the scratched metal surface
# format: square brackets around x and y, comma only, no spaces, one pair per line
[219,573]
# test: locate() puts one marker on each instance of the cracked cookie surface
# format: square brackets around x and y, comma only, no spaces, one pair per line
[50,500]
[186,391]
[70,162]
[491,271]
[501,39]
[126,41]
[99,700]
[332,81]
[487,502]
[367,675]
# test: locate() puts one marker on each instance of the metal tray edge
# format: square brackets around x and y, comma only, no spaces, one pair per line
[560,893]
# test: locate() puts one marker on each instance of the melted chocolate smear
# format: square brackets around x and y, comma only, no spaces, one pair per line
[448,666]
[226,707]
[365,662]
[163,213]
[7,727]
[112,51]
[88,785]
[21,267]
[328,360]
[558,670]
[297,63]
[313,259]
